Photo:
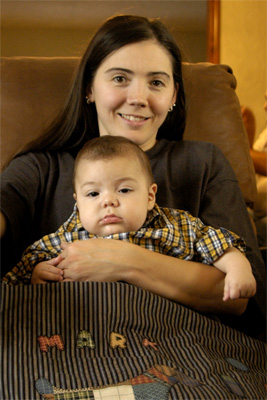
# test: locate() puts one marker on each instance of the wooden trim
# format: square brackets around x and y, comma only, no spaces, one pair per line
[213,31]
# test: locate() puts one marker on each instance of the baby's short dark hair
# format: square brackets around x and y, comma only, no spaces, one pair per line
[109,147]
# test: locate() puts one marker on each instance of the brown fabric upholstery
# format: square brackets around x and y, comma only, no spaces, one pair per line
[34,88]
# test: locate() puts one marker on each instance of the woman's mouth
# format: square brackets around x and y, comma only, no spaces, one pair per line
[133,118]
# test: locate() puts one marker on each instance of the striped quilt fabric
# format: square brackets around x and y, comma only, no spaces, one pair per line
[114,341]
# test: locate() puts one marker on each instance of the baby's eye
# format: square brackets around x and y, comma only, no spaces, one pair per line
[92,194]
[125,190]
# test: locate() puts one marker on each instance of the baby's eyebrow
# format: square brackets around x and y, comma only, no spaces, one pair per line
[88,184]
[126,179]
[119,180]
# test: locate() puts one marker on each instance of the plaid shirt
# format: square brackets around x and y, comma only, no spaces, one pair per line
[168,231]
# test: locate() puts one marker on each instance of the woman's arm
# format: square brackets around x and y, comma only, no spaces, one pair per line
[2,224]
[192,284]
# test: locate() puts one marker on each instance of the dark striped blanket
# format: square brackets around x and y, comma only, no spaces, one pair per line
[87,340]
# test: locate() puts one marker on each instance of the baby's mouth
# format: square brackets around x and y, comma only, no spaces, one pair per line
[110,219]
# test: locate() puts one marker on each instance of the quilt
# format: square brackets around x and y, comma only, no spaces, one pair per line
[114,341]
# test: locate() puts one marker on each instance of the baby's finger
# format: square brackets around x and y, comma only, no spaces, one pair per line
[226,292]
[226,295]
[49,275]
[55,261]
[234,293]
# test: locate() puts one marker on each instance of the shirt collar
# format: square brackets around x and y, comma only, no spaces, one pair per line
[77,217]
[152,214]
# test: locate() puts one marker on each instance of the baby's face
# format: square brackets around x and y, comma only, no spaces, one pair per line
[113,196]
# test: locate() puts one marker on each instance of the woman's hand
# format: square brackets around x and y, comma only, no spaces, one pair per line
[47,271]
[93,260]
[192,284]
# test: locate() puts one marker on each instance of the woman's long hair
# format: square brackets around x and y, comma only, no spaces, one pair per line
[77,122]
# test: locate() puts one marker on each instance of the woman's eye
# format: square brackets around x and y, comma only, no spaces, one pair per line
[92,194]
[157,83]
[119,79]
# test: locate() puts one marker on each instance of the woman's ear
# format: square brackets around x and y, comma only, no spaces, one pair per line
[90,96]
[75,196]
[152,196]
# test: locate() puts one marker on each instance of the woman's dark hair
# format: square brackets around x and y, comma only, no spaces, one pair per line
[77,122]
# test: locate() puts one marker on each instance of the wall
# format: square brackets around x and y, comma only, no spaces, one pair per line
[60,28]
[68,42]
[63,28]
[243,47]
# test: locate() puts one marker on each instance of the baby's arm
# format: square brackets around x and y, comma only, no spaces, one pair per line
[239,280]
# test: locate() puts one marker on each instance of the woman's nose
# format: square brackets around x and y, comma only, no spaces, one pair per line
[137,94]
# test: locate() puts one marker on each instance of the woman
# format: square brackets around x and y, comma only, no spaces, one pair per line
[129,83]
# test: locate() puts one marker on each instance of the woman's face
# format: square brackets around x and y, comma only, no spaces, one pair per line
[133,90]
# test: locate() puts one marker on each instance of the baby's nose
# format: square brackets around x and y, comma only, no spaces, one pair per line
[110,201]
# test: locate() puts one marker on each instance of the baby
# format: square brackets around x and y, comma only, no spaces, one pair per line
[115,197]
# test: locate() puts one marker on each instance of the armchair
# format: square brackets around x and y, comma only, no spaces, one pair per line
[92,339]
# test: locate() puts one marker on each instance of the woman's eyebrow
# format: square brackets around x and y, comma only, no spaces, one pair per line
[128,71]
[117,69]
[159,73]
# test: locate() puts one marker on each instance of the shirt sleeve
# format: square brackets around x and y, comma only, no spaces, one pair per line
[45,249]
[212,243]
[34,188]
[42,250]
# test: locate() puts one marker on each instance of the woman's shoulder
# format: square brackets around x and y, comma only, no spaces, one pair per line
[41,161]
[187,151]
[191,163]
[185,147]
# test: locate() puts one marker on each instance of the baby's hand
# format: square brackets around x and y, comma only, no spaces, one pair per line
[237,286]
[47,271]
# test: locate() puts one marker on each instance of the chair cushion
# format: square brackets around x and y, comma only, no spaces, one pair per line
[34,89]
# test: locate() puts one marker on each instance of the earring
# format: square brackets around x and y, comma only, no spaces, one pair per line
[171,108]
[88,101]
